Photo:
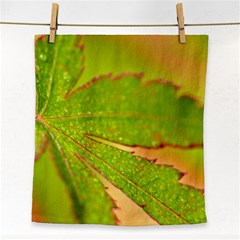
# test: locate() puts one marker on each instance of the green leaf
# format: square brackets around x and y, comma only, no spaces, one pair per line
[46,197]
[84,122]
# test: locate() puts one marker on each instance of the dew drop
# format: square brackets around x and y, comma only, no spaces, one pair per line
[43,57]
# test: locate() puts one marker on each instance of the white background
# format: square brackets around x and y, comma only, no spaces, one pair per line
[221,114]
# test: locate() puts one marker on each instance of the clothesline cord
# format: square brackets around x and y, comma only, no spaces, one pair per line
[122,25]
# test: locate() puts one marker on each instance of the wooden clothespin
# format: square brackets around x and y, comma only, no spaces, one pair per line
[180,19]
[53,24]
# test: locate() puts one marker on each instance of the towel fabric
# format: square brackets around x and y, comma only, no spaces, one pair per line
[119,129]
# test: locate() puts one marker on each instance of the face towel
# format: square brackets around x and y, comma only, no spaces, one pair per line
[119,130]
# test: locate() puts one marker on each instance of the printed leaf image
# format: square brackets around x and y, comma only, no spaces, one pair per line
[119,133]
